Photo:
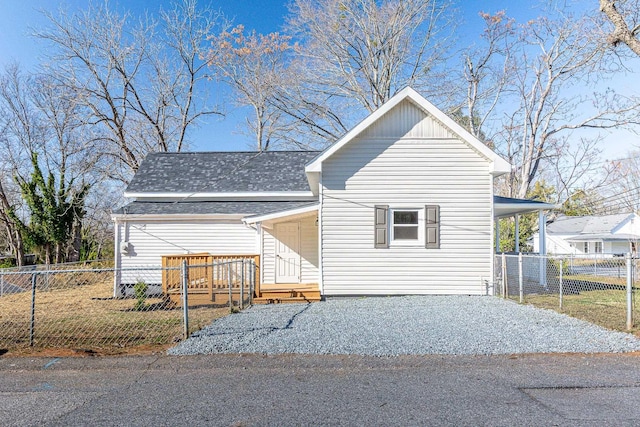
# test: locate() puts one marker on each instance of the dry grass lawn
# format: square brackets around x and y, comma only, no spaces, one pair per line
[87,319]
[607,308]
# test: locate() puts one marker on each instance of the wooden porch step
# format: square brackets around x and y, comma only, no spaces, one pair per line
[287,295]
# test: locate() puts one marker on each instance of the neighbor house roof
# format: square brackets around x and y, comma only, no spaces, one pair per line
[208,208]
[179,175]
[592,225]
[602,237]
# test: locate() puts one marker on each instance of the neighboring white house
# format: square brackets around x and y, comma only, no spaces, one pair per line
[402,204]
[607,235]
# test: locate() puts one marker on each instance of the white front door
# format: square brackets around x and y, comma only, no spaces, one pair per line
[288,253]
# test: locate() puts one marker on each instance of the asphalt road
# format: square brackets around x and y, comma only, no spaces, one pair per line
[247,390]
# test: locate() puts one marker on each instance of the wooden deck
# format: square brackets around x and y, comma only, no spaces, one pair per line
[209,277]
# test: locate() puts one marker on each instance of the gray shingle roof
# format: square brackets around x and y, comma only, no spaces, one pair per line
[203,208]
[222,172]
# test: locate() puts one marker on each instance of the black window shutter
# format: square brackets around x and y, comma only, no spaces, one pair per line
[432,232]
[381,230]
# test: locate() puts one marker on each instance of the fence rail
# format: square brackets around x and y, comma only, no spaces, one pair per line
[76,308]
[601,290]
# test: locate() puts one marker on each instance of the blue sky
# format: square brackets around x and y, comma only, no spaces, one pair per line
[18,17]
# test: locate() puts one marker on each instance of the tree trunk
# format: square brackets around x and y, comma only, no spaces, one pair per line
[74,254]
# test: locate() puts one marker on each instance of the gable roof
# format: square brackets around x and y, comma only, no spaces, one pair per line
[593,225]
[498,164]
[188,173]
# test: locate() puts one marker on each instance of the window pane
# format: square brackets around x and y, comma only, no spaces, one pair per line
[405,233]
[405,217]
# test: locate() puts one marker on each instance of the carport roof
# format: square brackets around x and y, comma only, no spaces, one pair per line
[508,206]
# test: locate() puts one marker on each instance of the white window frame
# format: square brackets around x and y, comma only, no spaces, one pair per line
[585,247]
[598,247]
[421,231]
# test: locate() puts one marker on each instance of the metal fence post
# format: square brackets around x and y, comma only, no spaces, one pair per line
[629,292]
[505,291]
[229,283]
[520,278]
[560,285]
[1,283]
[33,309]
[242,285]
[185,298]
[46,277]
[252,285]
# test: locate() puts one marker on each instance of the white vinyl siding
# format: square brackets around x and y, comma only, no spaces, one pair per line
[406,171]
[149,241]
[308,252]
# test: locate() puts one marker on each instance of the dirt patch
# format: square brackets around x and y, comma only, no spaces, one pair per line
[141,350]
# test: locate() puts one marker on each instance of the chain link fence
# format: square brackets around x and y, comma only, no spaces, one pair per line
[598,289]
[71,307]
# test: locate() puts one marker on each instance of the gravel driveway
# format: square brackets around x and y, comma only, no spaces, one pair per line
[416,325]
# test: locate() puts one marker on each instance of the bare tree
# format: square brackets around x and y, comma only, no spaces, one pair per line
[624,15]
[556,63]
[577,170]
[255,67]
[486,72]
[624,184]
[14,241]
[367,50]
[354,55]
[142,80]
[44,153]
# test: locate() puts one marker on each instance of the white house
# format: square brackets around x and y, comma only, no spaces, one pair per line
[402,204]
[605,235]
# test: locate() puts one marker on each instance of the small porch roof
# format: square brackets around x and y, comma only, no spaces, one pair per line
[507,206]
[284,215]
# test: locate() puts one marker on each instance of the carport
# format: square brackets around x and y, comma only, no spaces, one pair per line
[505,207]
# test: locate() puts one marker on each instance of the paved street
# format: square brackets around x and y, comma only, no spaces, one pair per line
[245,390]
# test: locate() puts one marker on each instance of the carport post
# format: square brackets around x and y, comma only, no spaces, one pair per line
[517,232]
[629,292]
[542,247]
